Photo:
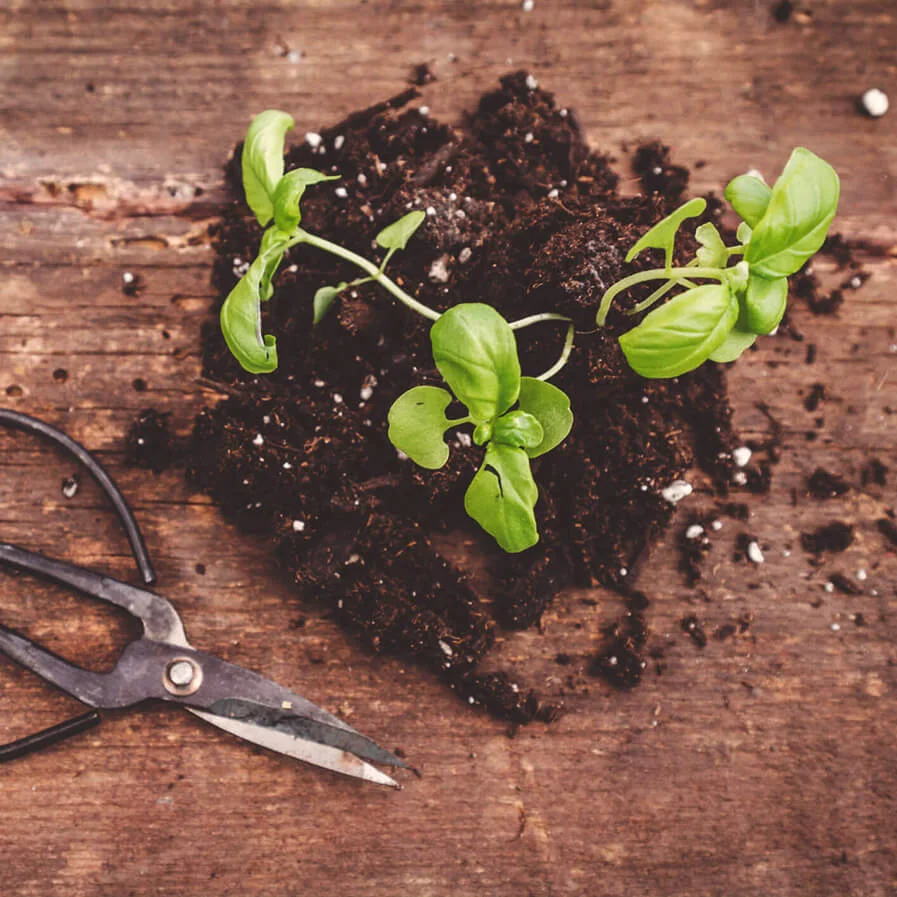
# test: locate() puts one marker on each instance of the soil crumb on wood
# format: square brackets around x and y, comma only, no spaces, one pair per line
[833,537]
[520,215]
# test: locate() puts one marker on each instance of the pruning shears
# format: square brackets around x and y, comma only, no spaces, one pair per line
[163,665]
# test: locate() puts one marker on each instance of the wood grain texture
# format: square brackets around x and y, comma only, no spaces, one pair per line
[760,765]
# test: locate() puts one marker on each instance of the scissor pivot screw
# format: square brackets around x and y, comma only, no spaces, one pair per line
[182,676]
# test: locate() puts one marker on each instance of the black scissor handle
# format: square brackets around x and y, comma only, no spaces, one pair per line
[92,718]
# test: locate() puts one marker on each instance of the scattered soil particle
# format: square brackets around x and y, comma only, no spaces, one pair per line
[70,485]
[823,484]
[735,628]
[694,544]
[811,353]
[833,537]
[694,629]
[816,395]
[874,473]
[60,375]
[782,11]
[844,585]
[888,529]
[149,443]
[132,284]
[658,175]
[421,75]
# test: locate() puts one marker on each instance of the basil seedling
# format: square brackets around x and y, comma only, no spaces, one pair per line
[516,418]
[781,229]
[275,198]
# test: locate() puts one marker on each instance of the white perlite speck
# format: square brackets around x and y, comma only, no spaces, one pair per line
[741,456]
[739,478]
[531,83]
[439,272]
[528,5]
[464,440]
[298,526]
[716,525]
[127,277]
[446,648]
[553,193]
[464,255]
[424,110]
[676,491]
[528,137]
[341,192]
[338,141]
[313,139]
[70,487]
[258,439]
[293,57]
[874,102]
[754,553]
[695,531]
[862,575]
[829,587]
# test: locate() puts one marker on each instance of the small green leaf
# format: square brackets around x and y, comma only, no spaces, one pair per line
[737,276]
[712,253]
[681,335]
[241,318]
[663,234]
[803,203]
[397,235]
[749,196]
[551,407]
[482,433]
[262,161]
[743,234]
[324,298]
[736,342]
[764,303]
[288,195]
[518,429]
[416,423]
[502,495]
[476,352]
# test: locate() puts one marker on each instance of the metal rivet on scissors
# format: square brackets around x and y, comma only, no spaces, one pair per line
[163,665]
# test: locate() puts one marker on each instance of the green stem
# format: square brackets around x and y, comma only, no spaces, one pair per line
[369,268]
[565,355]
[538,319]
[654,274]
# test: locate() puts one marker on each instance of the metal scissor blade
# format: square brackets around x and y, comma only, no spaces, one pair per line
[321,755]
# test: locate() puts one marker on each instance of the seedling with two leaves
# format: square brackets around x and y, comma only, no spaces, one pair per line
[781,229]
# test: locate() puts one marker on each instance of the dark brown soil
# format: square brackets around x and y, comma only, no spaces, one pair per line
[522,216]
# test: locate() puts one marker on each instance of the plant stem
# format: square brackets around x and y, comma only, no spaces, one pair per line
[369,268]
[565,355]
[538,319]
[653,274]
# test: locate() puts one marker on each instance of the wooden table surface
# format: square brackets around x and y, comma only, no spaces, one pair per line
[763,765]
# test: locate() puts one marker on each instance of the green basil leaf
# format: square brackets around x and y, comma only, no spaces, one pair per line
[476,352]
[288,195]
[680,336]
[397,235]
[502,495]
[663,234]
[551,407]
[803,203]
[712,253]
[743,234]
[518,429]
[262,160]
[271,252]
[764,303]
[736,342]
[416,423]
[324,298]
[749,196]
[241,318]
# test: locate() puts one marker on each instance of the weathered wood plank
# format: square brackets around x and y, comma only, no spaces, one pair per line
[761,764]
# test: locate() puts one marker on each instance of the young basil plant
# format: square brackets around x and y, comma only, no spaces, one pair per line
[782,227]
[515,418]
[275,198]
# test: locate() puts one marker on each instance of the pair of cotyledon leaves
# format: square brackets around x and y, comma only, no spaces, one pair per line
[782,228]
[475,351]
[271,194]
